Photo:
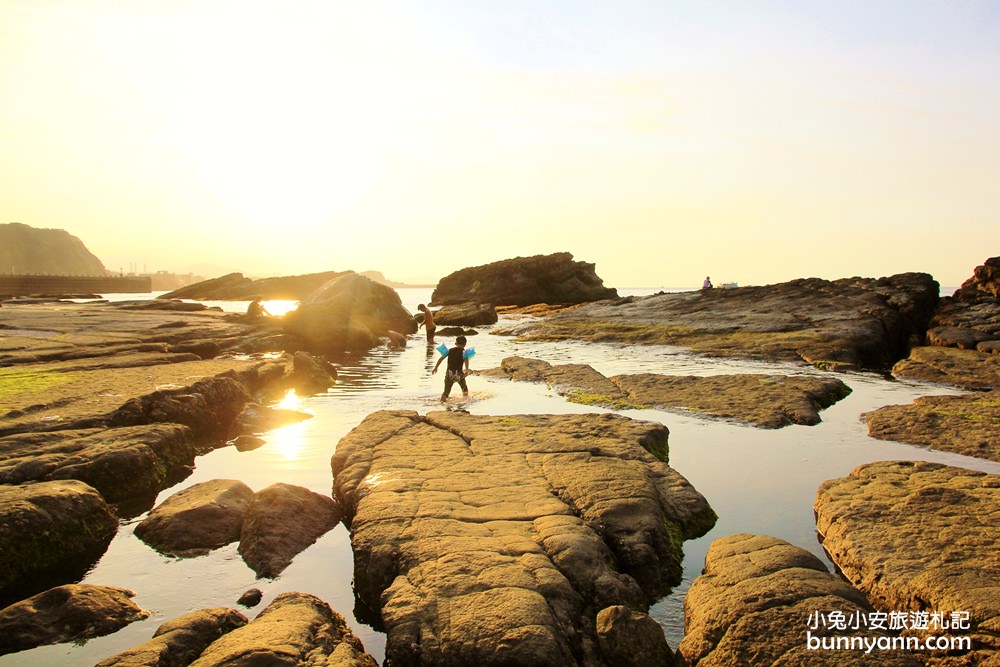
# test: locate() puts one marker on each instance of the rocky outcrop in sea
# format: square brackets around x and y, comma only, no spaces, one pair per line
[523,281]
[499,540]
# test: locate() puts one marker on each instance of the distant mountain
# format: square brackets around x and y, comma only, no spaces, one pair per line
[29,250]
[379,278]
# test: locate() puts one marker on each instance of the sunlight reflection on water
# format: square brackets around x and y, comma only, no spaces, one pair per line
[758,481]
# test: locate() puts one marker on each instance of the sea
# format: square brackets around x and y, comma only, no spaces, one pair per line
[757,480]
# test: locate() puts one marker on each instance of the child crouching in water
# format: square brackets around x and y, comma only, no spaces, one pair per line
[458,368]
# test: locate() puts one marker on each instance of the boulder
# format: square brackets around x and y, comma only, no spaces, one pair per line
[497,540]
[466,315]
[281,521]
[73,612]
[843,324]
[349,313]
[179,642]
[47,526]
[121,463]
[967,369]
[311,374]
[523,281]
[295,629]
[967,424]
[985,278]
[632,639]
[759,601]
[197,519]
[920,536]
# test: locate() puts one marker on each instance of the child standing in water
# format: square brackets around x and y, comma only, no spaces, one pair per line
[458,368]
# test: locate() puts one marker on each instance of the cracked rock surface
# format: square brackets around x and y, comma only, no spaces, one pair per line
[498,540]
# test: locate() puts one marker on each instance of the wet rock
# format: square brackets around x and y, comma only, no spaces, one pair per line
[120,463]
[281,521]
[66,613]
[197,519]
[455,331]
[208,407]
[764,400]
[256,418]
[48,525]
[919,536]
[767,401]
[968,369]
[968,424]
[295,629]
[497,540]
[251,598]
[312,374]
[179,642]
[631,639]
[469,314]
[248,443]
[841,324]
[349,313]
[752,605]
[524,281]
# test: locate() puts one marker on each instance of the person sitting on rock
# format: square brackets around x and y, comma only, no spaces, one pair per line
[458,368]
[707,284]
[428,322]
[256,309]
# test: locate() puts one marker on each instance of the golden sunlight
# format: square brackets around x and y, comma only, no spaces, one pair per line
[290,401]
[288,441]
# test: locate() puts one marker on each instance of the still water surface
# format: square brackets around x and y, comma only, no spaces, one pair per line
[758,481]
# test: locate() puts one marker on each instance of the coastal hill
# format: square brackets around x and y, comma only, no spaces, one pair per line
[29,250]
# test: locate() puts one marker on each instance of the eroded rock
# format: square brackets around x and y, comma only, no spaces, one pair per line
[280,522]
[753,602]
[968,369]
[295,629]
[767,401]
[524,281]
[49,525]
[66,613]
[841,324]
[178,642]
[497,540]
[967,424]
[466,314]
[120,463]
[919,536]
[197,519]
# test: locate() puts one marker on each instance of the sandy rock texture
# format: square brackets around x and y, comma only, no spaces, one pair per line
[967,369]
[178,642]
[844,324]
[295,629]
[919,536]
[967,424]
[753,603]
[766,401]
[498,540]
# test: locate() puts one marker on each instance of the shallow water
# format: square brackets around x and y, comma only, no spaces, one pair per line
[758,481]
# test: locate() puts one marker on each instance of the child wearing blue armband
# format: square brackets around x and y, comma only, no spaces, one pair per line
[458,368]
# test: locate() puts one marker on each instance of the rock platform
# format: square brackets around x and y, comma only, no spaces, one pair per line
[498,540]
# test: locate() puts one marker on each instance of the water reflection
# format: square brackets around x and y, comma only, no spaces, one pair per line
[758,481]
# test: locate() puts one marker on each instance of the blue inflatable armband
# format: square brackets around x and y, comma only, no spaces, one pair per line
[443,349]
[469,353]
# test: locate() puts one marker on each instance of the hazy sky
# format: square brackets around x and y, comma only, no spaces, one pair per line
[751,141]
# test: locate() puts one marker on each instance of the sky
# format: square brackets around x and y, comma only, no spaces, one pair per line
[752,141]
